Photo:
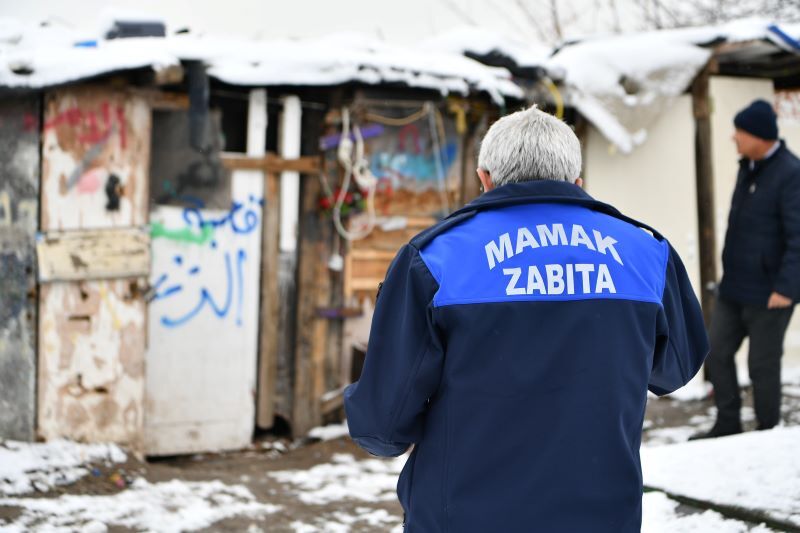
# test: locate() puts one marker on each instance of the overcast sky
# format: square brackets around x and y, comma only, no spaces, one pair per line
[403,22]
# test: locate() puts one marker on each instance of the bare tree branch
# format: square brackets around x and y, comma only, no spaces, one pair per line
[459,12]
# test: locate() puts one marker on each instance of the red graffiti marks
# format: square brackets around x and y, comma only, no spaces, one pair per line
[29,122]
[93,125]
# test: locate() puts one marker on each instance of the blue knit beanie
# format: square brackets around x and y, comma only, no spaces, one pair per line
[758,119]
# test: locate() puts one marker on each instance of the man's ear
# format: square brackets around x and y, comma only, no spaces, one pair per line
[579,182]
[486,180]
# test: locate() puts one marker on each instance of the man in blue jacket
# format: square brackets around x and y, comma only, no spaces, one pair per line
[513,345]
[761,265]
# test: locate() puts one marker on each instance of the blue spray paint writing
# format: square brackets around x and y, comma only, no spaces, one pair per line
[234,282]
[242,220]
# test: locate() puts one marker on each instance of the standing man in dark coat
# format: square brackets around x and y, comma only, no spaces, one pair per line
[513,345]
[761,264]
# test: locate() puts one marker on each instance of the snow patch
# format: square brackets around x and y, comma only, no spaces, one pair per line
[755,471]
[167,507]
[659,515]
[25,466]
[378,519]
[368,480]
[330,432]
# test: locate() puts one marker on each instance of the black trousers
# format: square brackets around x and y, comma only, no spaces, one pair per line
[766,328]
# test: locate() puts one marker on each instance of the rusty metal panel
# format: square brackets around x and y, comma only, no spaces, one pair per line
[96,153]
[93,254]
[19,191]
[95,159]
[91,368]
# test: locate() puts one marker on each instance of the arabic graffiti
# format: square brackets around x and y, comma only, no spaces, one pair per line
[198,230]
[233,282]
[219,291]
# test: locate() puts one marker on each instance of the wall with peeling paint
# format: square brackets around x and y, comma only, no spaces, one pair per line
[91,372]
[92,138]
[203,323]
[19,191]
[95,156]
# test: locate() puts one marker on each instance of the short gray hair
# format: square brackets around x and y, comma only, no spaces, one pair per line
[530,145]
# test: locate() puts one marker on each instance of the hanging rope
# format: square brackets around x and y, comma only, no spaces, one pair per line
[402,121]
[362,175]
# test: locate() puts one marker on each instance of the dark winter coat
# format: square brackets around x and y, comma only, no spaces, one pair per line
[513,344]
[762,244]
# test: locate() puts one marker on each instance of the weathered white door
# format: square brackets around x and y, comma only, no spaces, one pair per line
[203,319]
[93,256]
[203,324]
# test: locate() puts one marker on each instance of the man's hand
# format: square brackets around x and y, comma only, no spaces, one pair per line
[778,301]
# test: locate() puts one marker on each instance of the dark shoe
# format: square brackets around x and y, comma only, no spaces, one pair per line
[716,431]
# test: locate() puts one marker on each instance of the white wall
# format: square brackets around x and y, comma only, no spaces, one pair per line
[789,128]
[656,183]
[728,97]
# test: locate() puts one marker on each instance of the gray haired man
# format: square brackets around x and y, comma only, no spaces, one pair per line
[513,345]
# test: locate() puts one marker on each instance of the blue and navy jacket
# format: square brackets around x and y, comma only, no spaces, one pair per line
[513,345]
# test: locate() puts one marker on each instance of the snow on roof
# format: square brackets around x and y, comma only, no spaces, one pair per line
[37,57]
[482,41]
[622,83]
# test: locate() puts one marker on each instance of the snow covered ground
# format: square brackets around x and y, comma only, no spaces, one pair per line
[757,471]
[167,507]
[25,467]
[330,485]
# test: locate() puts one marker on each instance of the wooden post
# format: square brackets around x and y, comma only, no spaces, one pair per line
[470,186]
[704,173]
[270,311]
[313,284]
[269,334]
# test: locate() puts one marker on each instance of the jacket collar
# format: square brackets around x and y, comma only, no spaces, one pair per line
[759,165]
[542,191]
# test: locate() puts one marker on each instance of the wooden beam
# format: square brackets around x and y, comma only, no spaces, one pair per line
[80,255]
[704,174]
[163,100]
[271,163]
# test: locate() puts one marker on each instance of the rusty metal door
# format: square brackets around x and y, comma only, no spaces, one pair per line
[93,256]
[19,191]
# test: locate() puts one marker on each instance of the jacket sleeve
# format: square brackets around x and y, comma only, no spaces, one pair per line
[386,406]
[787,281]
[681,343]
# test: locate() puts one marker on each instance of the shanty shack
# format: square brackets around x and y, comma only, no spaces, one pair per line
[194,229]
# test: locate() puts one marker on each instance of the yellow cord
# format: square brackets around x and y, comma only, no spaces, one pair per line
[556,96]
